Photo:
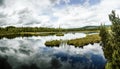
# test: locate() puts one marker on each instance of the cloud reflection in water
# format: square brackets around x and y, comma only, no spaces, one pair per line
[30,53]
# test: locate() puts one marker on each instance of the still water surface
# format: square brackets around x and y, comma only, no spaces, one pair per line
[31,53]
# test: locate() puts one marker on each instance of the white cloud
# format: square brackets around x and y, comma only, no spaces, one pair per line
[41,13]
[77,16]
[24,12]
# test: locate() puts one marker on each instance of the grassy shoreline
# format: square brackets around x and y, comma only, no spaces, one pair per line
[42,31]
[79,42]
[11,35]
[25,34]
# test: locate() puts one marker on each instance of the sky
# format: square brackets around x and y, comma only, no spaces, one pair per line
[55,13]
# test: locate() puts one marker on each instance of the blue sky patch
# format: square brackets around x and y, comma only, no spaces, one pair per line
[62,3]
[75,2]
[93,2]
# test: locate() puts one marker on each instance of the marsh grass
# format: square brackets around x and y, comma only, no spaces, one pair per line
[52,43]
[89,39]
[79,42]
[25,34]
[59,34]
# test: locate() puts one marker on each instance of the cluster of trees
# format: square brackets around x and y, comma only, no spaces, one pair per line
[12,32]
[28,29]
[111,42]
[86,28]
[42,29]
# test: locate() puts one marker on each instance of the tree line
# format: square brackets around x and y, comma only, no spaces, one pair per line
[28,29]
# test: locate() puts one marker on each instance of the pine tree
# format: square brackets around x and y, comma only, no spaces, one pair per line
[106,42]
[111,42]
[116,34]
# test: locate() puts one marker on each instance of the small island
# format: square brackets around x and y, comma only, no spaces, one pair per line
[79,42]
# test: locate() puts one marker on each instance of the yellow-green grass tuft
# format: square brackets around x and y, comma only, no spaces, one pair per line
[79,42]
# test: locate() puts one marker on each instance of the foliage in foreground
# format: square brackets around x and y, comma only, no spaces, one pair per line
[80,42]
[111,42]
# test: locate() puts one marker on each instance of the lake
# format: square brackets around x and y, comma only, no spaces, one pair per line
[31,53]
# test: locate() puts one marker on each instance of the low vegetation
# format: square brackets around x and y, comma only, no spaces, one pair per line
[25,34]
[80,42]
[53,43]
[59,34]
[89,39]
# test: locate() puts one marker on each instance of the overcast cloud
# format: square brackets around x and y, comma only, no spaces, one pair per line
[55,13]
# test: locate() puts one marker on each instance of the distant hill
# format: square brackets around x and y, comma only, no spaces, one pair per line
[87,28]
[90,27]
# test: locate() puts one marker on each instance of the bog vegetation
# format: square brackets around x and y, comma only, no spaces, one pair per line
[79,42]
[89,39]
